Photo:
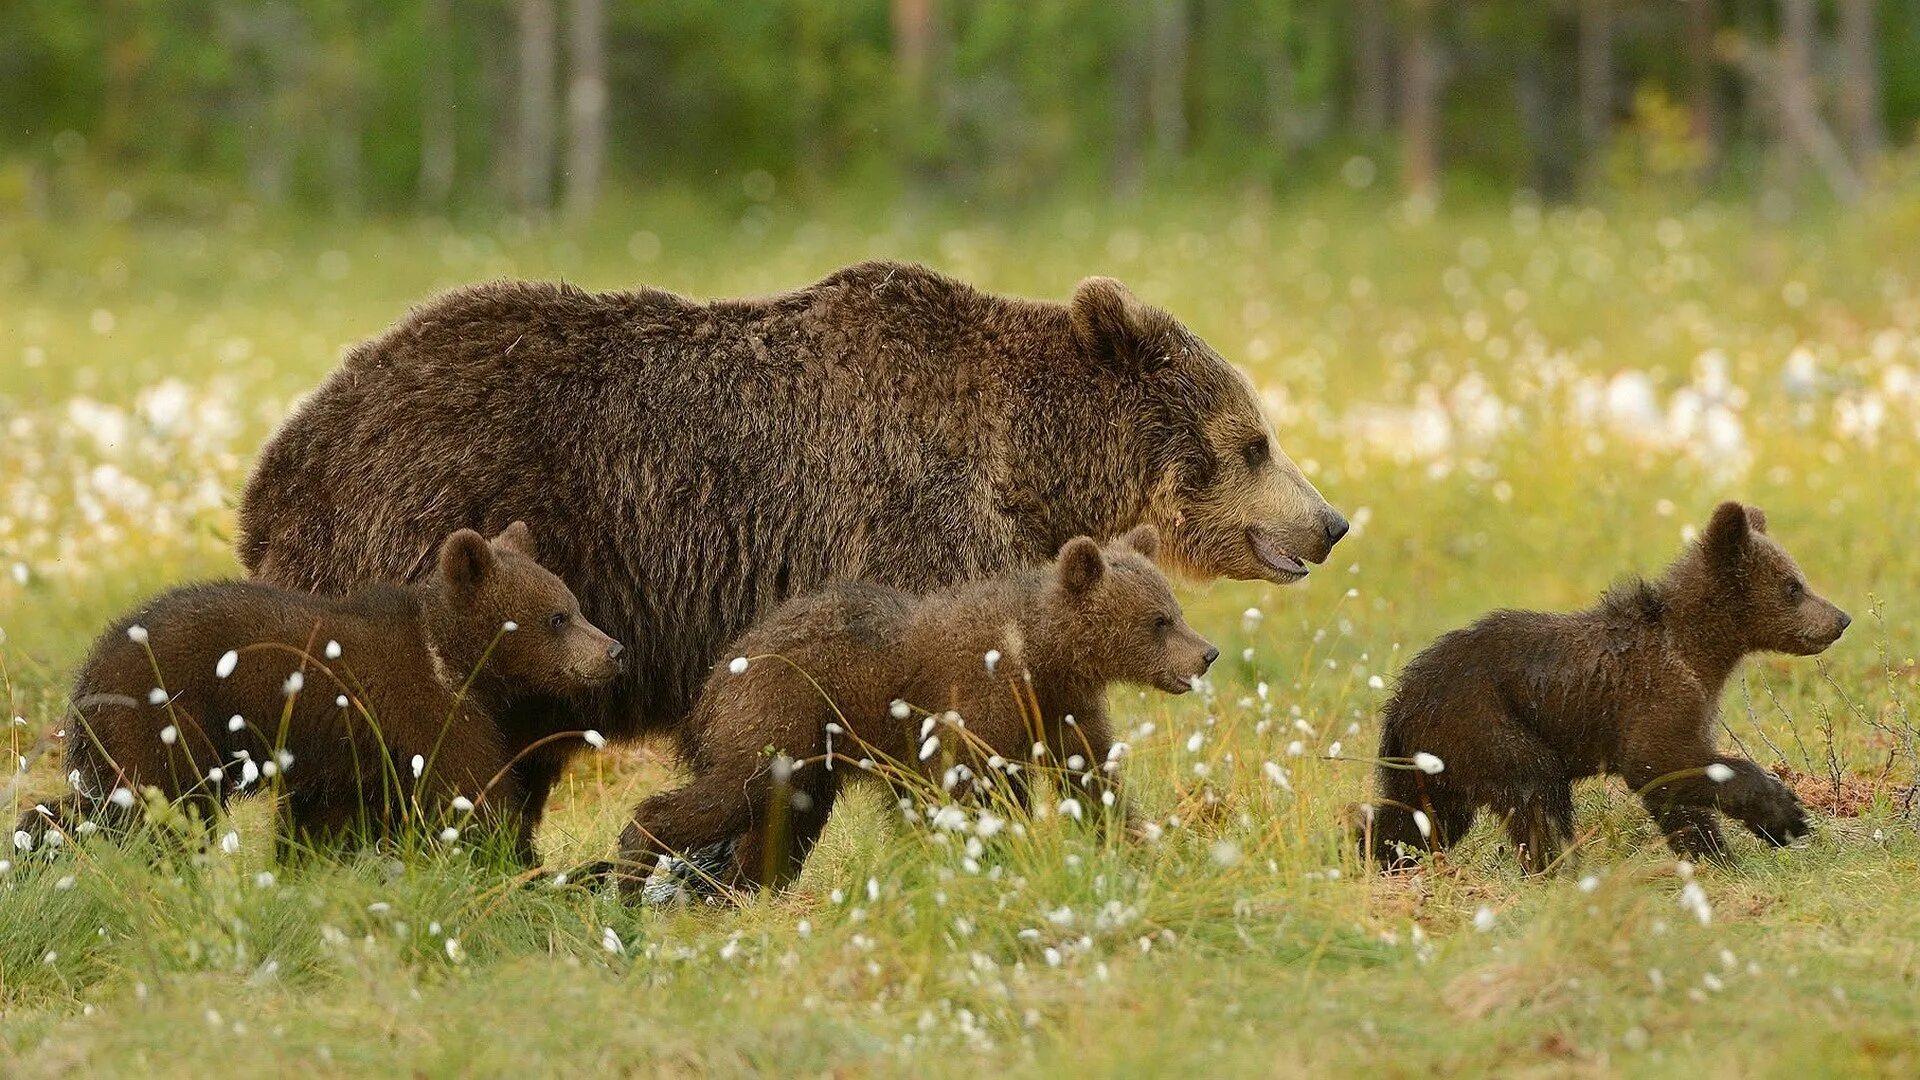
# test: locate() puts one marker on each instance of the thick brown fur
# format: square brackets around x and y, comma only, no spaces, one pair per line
[845,655]
[424,669]
[1521,704]
[689,466]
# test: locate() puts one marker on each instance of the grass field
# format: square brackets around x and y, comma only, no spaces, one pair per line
[1515,406]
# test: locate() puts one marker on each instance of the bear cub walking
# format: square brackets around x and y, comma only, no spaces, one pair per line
[364,710]
[959,685]
[1505,714]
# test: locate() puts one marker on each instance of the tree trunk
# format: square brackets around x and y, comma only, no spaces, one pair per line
[912,46]
[1700,77]
[1419,87]
[586,105]
[1786,80]
[1129,84]
[437,117]
[1372,67]
[1167,78]
[1860,85]
[1596,73]
[534,149]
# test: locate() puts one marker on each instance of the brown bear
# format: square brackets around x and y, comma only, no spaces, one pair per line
[1508,712]
[366,712]
[688,466]
[981,684]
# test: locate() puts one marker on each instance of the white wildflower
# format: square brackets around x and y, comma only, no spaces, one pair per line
[156,696]
[419,765]
[332,650]
[1719,773]
[225,665]
[927,748]
[122,798]
[993,660]
[293,684]
[610,941]
[462,804]
[594,739]
[137,634]
[236,722]
[899,710]
[738,665]
[169,734]
[1484,919]
[1428,763]
[449,834]
[230,843]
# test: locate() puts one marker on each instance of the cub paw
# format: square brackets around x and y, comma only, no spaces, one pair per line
[1781,820]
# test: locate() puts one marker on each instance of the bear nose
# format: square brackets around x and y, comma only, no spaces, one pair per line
[1207,658]
[614,649]
[1337,526]
[1846,620]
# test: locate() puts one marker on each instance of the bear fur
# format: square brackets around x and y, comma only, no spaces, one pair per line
[688,466]
[958,686]
[422,670]
[1520,704]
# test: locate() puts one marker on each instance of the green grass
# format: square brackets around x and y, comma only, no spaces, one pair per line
[1444,381]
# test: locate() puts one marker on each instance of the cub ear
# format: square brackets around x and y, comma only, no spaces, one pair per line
[1725,540]
[1081,565]
[517,539]
[466,560]
[1757,518]
[1144,539]
[1113,325]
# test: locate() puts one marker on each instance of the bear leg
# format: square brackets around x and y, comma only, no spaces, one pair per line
[773,851]
[1691,831]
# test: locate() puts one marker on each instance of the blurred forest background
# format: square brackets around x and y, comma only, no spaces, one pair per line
[544,106]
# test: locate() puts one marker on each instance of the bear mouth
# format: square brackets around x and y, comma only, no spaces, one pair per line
[1176,684]
[1280,564]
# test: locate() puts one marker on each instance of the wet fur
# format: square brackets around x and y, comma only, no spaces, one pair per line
[407,664]
[845,654]
[689,466]
[1521,704]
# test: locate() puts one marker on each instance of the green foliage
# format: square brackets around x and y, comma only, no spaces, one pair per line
[324,103]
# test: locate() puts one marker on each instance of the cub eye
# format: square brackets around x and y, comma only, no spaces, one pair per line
[1795,590]
[1162,624]
[558,620]
[1257,452]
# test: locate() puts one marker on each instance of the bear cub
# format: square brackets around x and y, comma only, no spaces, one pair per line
[1505,714]
[368,712]
[979,684]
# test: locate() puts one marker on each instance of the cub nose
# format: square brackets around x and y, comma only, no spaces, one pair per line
[614,649]
[1846,620]
[1207,658]
[1337,526]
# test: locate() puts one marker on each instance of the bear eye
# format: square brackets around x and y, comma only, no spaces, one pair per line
[1162,624]
[1795,590]
[1256,452]
[558,620]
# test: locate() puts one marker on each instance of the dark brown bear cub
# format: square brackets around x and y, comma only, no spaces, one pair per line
[1505,714]
[959,685]
[366,712]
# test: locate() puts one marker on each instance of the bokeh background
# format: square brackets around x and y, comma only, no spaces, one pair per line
[1527,287]
[436,106]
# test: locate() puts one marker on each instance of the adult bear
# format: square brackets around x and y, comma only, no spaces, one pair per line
[688,465]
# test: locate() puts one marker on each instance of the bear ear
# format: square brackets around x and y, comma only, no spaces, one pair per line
[1081,565]
[1113,325]
[1757,518]
[1144,539]
[466,559]
[1725,540]
[518,539]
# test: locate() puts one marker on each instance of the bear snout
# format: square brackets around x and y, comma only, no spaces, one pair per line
[1207,658]
[1337,527]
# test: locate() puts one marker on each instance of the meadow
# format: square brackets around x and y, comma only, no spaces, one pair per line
[1515,404]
